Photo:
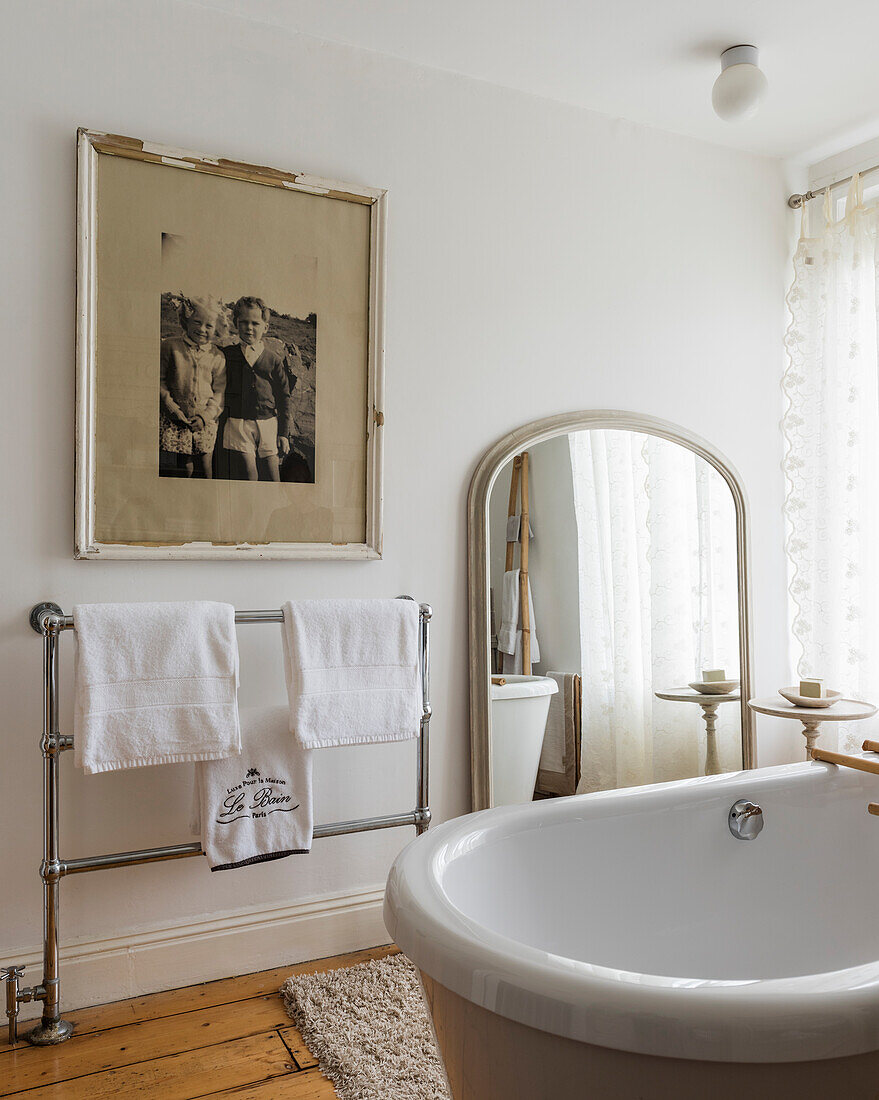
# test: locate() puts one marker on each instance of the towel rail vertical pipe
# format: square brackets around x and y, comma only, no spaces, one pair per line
[52,1029]
[422,808]
[49,621]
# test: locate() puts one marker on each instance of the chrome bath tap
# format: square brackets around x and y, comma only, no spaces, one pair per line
[745,820]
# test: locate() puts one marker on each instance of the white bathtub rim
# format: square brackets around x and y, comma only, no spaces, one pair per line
[800,1018]
[518,686]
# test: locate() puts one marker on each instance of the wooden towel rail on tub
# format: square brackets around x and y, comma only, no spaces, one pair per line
[48,620]
[858,763]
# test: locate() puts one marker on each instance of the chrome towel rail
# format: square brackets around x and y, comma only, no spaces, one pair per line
[49,620]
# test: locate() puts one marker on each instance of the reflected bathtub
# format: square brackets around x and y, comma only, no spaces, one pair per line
[625,944]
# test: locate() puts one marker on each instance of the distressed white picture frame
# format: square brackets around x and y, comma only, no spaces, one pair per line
[92,144]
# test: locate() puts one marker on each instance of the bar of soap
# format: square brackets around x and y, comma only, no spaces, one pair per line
[713,675]
[812,689]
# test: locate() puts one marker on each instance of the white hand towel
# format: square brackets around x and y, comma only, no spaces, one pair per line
[255,807]
[352,670]
[156,683]
[509,638]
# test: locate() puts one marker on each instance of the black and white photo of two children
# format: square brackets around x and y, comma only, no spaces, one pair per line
[236,391]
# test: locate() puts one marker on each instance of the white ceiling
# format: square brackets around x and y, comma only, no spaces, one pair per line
[649,61]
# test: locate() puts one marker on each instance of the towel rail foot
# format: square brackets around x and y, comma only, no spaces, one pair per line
[49,1032]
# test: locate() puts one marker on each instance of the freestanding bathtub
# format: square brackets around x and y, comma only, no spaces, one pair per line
[625,944]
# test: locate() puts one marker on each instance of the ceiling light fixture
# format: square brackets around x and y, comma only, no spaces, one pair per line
[741,86]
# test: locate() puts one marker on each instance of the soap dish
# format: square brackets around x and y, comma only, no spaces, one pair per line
[804,701]
[714,687]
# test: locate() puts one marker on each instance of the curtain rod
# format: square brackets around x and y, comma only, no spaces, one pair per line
[796,201]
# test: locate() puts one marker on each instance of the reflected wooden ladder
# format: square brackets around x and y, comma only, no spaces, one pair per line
[519,482]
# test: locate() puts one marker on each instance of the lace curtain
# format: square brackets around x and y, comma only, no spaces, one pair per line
[658,603]
[831,428]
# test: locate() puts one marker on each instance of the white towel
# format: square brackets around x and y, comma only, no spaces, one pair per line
[156,683]
[255,807]
[352,670]
[509,638]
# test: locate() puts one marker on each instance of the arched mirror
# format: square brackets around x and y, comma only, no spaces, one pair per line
[609,609]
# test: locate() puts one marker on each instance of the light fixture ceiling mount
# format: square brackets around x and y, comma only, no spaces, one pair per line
[741,86]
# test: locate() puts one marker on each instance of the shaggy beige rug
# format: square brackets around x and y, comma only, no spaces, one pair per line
[370,1030]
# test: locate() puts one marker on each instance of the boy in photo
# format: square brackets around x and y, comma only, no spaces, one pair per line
[257,394]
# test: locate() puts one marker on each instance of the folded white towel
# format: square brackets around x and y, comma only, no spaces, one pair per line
[257,806]
[352,670]
[509,638]
[156,683]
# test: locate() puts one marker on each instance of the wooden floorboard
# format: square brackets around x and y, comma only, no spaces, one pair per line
[295,1044]
[201,1072]
[230,1037]
[295,1086]
[121,1046]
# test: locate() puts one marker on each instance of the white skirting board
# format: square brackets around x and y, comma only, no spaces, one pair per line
[93,972]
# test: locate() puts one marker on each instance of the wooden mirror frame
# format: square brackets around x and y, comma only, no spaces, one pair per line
[490,465]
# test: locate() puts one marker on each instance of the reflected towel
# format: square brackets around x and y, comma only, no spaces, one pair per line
[561,711]
[156,683]
[560,757]
[509,638]
[514,526]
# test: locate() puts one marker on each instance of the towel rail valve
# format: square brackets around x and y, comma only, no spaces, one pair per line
[16,996]
[53,743]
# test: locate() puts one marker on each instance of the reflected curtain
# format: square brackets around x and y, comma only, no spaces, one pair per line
[831,429]
[658,603]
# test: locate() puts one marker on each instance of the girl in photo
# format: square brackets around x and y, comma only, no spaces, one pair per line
[191,390]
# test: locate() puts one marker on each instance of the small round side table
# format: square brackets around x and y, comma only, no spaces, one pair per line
[709,705]
[843,710]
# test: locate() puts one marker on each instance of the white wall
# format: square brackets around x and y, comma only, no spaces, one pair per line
[541,258]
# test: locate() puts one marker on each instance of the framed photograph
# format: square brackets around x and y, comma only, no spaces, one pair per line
[229,358]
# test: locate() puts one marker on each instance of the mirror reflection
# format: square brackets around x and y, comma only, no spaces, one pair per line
[614,617]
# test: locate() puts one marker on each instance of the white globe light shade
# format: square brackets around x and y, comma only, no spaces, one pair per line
[741,86]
